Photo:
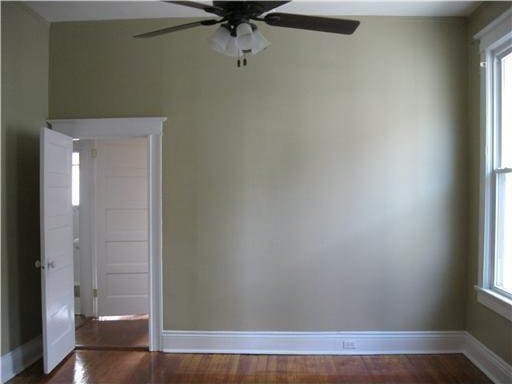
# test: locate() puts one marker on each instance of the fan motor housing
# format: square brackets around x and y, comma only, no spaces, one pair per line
[237,12]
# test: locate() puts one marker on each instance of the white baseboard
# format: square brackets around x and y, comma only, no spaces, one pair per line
[489,363]
[340,343]
[304,343]
[20,358]
[309,343]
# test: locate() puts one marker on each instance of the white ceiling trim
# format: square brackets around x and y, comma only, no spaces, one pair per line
[55,11]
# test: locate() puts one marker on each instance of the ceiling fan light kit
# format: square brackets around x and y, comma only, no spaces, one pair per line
[237,36]
[245,39]
[220,39]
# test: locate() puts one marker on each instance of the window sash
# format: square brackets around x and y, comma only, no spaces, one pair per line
[499,216]
[498,172]
[501,291]
[497,55]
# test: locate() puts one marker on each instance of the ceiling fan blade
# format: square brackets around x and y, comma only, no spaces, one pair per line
[205,7]
[312,23]
[175,28]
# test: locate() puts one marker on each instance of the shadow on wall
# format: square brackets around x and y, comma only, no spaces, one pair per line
[21,240]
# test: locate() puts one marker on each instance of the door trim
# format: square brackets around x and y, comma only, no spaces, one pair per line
[152,128]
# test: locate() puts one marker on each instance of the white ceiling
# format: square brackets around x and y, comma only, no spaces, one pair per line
[110,10]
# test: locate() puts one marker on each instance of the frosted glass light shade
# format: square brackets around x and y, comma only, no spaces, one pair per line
[247,41]
[232,49]
[220,39]
[259,43]
[244,36]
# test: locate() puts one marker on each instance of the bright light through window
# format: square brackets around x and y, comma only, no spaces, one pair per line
[506,111]
[503,264]
[75,179]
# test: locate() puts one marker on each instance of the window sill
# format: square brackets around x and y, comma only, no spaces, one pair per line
[495,301]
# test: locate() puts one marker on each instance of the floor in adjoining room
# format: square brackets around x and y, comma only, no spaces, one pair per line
[113,334]
[138,367]
[79,321]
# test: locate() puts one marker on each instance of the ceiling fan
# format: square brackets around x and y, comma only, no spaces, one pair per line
[237,35]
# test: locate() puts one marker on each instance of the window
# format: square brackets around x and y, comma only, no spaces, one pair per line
[75,179]
[503,170]
[495,277]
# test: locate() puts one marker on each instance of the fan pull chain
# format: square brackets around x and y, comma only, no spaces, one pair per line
[241,61]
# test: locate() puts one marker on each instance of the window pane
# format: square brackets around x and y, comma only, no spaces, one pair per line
[503,265]
[75,159]
[75,179]
[506,111]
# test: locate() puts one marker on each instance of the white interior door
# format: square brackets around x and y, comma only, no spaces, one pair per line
[122,226]
[56,247]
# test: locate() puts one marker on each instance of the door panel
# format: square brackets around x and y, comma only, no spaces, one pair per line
[56,248]
[126,191]
[122,227]
[127,284]
[126,224]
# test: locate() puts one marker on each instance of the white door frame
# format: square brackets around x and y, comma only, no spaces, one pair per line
[150,127]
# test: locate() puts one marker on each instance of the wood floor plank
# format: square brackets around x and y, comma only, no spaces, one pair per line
[390,369]
[428,368]
[139,367]
[462,370]
[108,335]
[351,369]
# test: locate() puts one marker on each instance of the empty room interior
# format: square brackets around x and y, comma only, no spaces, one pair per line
[256,192]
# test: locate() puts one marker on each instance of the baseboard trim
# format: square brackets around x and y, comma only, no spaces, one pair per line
[313,343]
[304,343]
[20,358]
[340,343]
[487,361]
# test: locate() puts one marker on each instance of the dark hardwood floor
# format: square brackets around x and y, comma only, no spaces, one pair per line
[134,367]
[117,334]
[79,321]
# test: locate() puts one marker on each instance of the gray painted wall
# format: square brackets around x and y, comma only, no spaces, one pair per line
[490,328]
[25,43]
[319,188]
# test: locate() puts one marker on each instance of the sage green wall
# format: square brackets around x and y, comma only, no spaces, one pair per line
[319,188]
[486,325]
[25,44]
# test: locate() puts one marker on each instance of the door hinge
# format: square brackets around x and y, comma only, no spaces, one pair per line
[95,292]
[77,291]
[94,153]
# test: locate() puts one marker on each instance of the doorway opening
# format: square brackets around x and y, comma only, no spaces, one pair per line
[111,243]
[115,226]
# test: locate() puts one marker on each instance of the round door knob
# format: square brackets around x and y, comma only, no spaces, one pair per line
[38,264]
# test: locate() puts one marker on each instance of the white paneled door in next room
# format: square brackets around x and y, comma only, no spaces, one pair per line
[122,226]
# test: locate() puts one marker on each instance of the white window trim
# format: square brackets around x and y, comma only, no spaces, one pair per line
[492,37]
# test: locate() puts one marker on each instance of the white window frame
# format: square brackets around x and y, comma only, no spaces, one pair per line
[494,40]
